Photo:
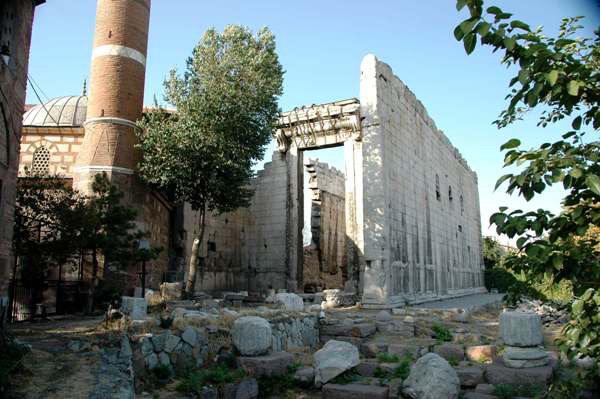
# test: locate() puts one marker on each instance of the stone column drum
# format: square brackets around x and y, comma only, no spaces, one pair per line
[116,93]
[522,335]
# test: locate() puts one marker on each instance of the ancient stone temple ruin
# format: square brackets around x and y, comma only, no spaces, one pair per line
[400,223]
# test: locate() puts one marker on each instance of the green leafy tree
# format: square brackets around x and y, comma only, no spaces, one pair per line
[561,76]
[109,232]
[226,104]
[49,217]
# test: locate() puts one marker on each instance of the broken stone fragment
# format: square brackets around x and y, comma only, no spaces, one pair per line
[290,301]
[333,359]
[432,377]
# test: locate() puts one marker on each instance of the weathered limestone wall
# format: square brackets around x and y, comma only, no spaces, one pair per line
[421,206]
[246,249]
[221,250]
[265,254]
[324,262]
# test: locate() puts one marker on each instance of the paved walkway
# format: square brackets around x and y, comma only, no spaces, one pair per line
[469,302]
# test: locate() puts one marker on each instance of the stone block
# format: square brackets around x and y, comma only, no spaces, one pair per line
[516,357]
[246,389]
[371,349]
[136,308]
[360,330]
[497,373]
[171,342]
[521,329]
[470,376]
[354,391]
[481,353]
[252,335]
[305,377]
[402,350]
[269,365]
[290,301]
[450,352]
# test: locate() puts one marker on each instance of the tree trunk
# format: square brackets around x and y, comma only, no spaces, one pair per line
[92,292]
[193,265]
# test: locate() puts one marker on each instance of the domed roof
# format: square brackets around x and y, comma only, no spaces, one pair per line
[58,112]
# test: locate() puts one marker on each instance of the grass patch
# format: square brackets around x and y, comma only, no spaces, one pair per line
[217,375]
[403,368]
[508,391]
[277,384]
[384,357]
[442,334]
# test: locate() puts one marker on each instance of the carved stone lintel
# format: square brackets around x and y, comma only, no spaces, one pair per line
[283,143]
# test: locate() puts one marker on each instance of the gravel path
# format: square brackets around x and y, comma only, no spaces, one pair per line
[469,302]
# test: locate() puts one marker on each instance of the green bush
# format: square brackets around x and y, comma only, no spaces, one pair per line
[384,357]
[11,360]
[507,391]
[218,375]
[403,368]
[277,384]
[442,334]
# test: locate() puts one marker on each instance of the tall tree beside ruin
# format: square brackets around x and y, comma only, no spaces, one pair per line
[560,75]
[109,233]
[226,102]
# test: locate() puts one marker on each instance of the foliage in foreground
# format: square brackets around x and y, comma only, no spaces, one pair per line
[217,375]
[54,223]
[561,76]
[226,105]
[442,334]
[11,358]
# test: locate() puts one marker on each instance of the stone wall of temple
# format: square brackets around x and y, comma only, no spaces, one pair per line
[421,204]
[324,263]
[246,249]
[220,267]
[265,254]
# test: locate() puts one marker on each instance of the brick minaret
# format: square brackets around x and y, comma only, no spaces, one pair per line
[116,93]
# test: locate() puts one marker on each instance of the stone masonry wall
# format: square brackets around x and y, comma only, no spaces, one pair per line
[16,19]
[421,204]
[62,143]
[324,262]
[246,249]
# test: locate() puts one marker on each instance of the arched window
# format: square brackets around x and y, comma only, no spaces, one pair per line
[40,165]
[438,195]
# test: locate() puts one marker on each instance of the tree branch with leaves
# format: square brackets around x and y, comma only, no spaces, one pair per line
[226,107]
[561,76]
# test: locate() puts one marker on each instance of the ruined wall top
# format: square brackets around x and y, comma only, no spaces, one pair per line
[382,70]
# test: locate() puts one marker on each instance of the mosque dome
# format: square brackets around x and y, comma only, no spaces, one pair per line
[68,111]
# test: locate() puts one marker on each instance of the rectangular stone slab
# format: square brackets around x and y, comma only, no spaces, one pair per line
[354,391]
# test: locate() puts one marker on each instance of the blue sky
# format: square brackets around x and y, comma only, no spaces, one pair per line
[320,45]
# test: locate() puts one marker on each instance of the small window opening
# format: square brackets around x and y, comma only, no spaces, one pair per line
[462,205]
[212,246]
[438,194]
[450,193]
[40,165]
